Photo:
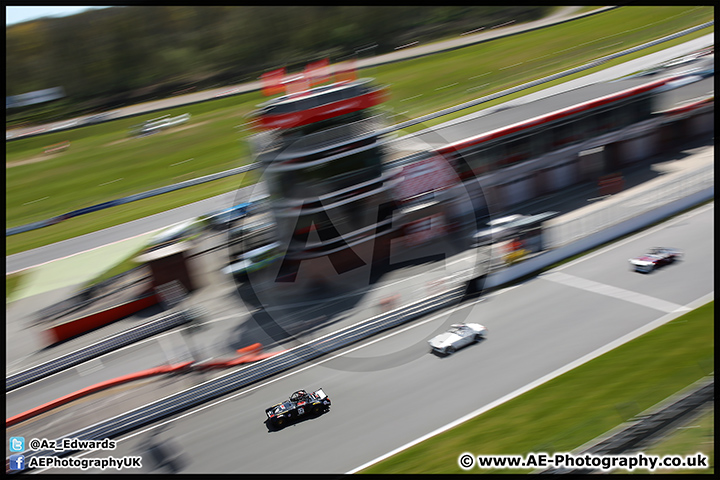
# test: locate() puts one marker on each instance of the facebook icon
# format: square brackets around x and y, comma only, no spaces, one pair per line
[17,462]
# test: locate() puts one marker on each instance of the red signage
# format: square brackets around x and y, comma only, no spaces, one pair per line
[345,71]
[275,81]
[318,72]
[272,82]
[323,112]
[298,83]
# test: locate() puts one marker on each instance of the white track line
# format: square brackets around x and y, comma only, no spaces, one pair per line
[34,201]
[615,292]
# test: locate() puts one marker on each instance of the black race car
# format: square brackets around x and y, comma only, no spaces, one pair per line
[301,404]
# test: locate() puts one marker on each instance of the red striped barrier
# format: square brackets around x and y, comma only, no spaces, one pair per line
[254,357]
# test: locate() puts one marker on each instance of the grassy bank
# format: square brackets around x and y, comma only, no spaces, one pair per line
[578,406]
[12,282]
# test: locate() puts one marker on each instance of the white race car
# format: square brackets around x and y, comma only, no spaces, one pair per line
[459,335]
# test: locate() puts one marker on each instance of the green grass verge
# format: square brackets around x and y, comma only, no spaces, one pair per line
[124,213]
[547,72]
[103,163]
[578,406]
[125,265]
[12,282]
[500,64]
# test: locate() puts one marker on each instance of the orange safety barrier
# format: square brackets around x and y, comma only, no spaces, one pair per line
[94,389]
[78,326]
[244,352]
[248,354]
[254,357]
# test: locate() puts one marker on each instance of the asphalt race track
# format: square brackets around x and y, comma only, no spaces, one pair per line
[390,390]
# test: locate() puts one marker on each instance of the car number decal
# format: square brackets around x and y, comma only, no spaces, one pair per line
[301,410]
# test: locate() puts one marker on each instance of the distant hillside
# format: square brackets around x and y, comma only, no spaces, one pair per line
[109,57]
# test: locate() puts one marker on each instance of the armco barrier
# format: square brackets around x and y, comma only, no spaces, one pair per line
[83,355]
[79,326]
[399,126]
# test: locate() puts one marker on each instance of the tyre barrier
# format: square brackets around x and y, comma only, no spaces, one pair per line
[276,363]
[100,348]
[279,362]
[284,360]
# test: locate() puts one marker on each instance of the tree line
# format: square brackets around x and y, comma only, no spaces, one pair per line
[115,56]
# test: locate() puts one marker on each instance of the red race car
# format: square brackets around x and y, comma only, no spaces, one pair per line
[654,258]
